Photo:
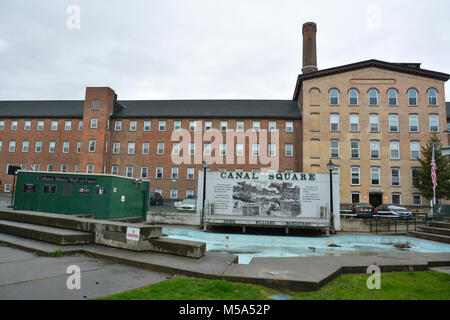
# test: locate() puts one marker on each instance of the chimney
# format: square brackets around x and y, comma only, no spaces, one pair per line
[309,47]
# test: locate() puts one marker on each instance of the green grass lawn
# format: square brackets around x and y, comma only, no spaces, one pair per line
[423,285]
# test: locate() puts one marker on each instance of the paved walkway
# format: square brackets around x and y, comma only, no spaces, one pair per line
[24,275]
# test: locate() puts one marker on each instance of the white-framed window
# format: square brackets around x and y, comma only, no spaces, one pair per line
[434,123]
[432,97]
[38,147]
[54,126]
[414,147]
[373,97]
[68,125]
[129,171]
[176,148]
[289,126]
[334,122]
[375,176]
[354,122]
[272,126]
[394,147]
[147,125]
[76,168]
[14,125]
[1,145]
[80,125]
[256,126]
[94,123]
[25,145]
[173,193]
[334,148]
[174,173]
[414,175]
[395,176]
[223,149]
[95,104]
[40,125]
[355,176]
[240,126]
[144,172]
[162,125]
[417,199]
[207,149]
[52,147]
[12,146]
[50,167]
[176,125]
[192,125]
[289,150]
[413,123]
[66,146]
[272,150]
[189,193]
[115,170]
[191,150]
[190,173]
[393,123]
[131,147]
[116,147]
[36,167]
[396,198]
[133,125]
[2,125]
[353,97]
[239,149]
[159,172]
[145,147]
[356,197]
[92,144]
[223,125]
[334,97]
[64,168]
[374,122]
[160,149]
[118,125]
[374,149]
[412,97]
[255,149]
[354,149]
[208,125]
[27,125]
[392,97]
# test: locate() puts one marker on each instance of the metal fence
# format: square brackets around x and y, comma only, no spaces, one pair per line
[441,212]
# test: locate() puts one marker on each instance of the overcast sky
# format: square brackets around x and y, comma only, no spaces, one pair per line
[195,49]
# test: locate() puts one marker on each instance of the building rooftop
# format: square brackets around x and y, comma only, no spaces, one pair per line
[410,68]
[256,109]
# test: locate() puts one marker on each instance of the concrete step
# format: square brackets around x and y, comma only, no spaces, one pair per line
[439,224]
[44,233]
[430,236]
[434,230]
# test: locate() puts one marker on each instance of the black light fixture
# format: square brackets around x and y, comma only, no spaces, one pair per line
[205,166]
[331,166]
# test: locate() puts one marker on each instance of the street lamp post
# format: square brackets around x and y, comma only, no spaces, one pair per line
[205,166]
[330,167]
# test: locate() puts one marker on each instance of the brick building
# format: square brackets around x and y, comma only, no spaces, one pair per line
[371,118]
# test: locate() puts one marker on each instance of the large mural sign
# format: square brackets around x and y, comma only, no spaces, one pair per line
[272,198]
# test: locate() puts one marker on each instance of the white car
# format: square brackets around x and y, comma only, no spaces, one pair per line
[186,204]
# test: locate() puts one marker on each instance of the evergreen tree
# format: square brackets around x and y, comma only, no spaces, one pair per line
[423,174]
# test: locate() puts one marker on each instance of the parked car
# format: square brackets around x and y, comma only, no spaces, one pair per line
[187,204]
[156,199]
[363,210]
[390,209]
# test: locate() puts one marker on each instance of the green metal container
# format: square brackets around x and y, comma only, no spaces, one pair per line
[104,196]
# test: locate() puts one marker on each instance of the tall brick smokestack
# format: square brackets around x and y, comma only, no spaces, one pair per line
[309,47]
